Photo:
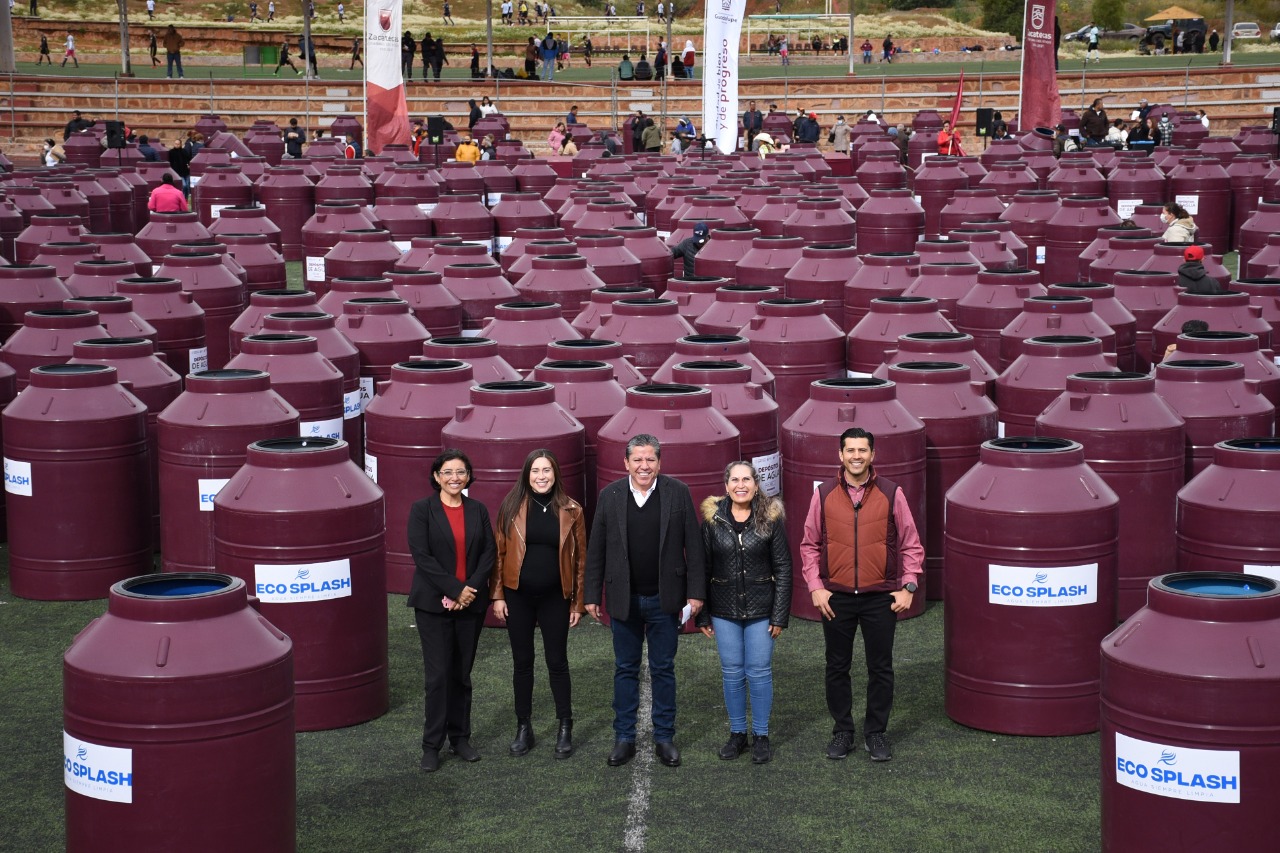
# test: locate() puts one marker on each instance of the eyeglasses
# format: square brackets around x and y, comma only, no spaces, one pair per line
[455,472]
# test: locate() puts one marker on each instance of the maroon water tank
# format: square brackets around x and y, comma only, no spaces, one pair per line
[302,523]
[1070,231]
[995,301]
[1148,295]
[403,218]
[820,220]
[385,332]
[609,258]
[734,306]
[174,314]
[717,348]
[47,228]
[890,221]
[180,672]
[881,172]
[1168,257]
[1122,249]
[290,201]
[1039,375]
[301,375]
[721,254]
[522,329]
[116,315]
[1188,722]
[323,231]
[967,206]
[1053,315]
[1257,234]
[655,258]
[360,253]
[464,217]
[1242,347]
[881,274]
[11,225]
[68,200]
[601,304]
[1226,513]
[1111,311]
[75,437]
[697,440]
[1203,187]
[482,354]
[434,306]
[158,236]
[799,344]
[646,329]
[29,200]
[1133,182]
[1264,265]
[988,246]
[877,333]
[151,380]
[810,445]
[263,264]
[568,279]
[941,346]
[502,424]
[821,273]
[518,211]
[262,303]
[694,294]
[945,250]
[766,263]
[1031,526]
[597,349]
[1224,312]
[479,287]
[247,219]
[522,264]
[957,417]
[220,187]
[202,436]
[121,247]
[1247,174]
[345,183]
[216,290]
[1077,178]
[937,181]
[1134,440]
[47,336]
[945,282]
[1029,214]
[747,406]
[1010,179]
[64,256]
[355,287]
[1216,401]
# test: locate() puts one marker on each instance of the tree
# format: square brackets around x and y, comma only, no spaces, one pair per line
[1108,14]
[1003,16]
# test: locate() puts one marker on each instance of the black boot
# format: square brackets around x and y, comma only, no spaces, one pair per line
[564,738]
[524,737]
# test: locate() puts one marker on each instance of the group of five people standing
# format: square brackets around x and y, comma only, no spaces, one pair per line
[652,562]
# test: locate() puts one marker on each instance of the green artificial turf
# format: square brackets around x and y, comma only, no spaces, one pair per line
[948,788]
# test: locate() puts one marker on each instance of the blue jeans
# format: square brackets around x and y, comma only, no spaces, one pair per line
[548,69]
[172,59]
[646,620]
[746,662]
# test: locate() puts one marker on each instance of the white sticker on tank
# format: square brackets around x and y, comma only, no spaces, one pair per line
[195,179]
[402,245]
[854,374]
[215,210]
[664,235]
[1126,206]
[367,390]
[1000,429]
[1178,772]
[17,477]
[1039,586]
[315,269]
[641,216]
[302,582]
[501,242]
[769,471]
[427,207]
[208,491]
[1190,202]
[352,405]
[329,428]
[198,359]
[1040,254]
[917,198]
[100,772]
[472,333]
[1272,572]
[371,466]
[494,198]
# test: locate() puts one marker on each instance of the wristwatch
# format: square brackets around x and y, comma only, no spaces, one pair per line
[910,587]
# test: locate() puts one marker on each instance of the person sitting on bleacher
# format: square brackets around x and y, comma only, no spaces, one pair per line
[643,70]
[626,71]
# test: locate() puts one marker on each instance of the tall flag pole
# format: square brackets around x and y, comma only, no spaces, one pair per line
[1038,101]
[955,113]
[386,111]
[723,30]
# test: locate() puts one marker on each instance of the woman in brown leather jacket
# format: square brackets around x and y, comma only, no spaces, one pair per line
[542,552]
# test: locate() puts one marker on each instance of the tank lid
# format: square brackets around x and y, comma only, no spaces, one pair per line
[1216,584]
[1033,444]
[296,445]
[460,341]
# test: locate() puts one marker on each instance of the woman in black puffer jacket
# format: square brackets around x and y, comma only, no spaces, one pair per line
[748,600]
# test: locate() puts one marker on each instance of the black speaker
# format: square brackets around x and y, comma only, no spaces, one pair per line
[985,117]
[115,135]
[1275,119]
[435,130]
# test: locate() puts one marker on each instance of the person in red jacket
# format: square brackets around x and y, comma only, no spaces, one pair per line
[167,198]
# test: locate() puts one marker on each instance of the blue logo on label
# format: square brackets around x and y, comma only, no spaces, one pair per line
[82,753]
[1041,577]
[303,574]
[1169,757]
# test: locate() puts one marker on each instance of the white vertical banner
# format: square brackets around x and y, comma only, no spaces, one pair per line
[720,72]
[387,113]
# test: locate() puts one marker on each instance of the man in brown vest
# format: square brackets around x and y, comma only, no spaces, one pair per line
[861,558]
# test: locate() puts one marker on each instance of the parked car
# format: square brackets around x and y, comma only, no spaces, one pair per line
[1275,32]
[1131,32]
[1246,30]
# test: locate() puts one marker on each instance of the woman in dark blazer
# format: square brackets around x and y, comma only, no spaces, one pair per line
[449,595]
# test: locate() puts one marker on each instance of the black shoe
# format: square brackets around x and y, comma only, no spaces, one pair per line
[878,745]
[841,743]
[760,751]
[464,750]
[430,762]
[735,746]
[623,751]
[564,739]
[667,753]
[524,738]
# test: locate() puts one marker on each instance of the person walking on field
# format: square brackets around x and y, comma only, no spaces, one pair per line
[887,47]
[285,59]
[357,49]
[44,51]
[271,11]
[448,13]
[71,51]
[861,559]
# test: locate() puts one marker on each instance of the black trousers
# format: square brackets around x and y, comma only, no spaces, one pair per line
[878,621]
[449,642]
[548,609]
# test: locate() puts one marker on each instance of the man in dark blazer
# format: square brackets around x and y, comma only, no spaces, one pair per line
[646,551]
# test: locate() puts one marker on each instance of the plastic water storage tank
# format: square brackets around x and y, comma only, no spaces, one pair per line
[1216,401]
[77,484]
[1188,717]
[305,526]
[180,673]
[1031,545]
[1226,515]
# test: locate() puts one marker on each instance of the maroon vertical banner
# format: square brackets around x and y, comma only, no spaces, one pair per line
[1038,102]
